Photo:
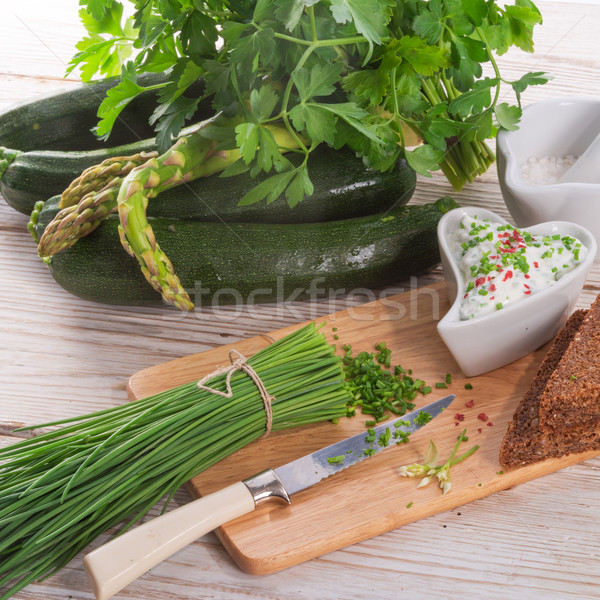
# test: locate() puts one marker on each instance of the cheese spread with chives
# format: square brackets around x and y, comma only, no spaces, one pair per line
[501,264]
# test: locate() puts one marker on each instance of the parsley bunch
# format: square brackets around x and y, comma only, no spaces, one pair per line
[356,73]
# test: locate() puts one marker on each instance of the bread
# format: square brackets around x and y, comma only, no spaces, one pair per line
[525,442]
[571,398]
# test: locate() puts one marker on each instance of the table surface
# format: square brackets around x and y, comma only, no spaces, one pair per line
[61,356]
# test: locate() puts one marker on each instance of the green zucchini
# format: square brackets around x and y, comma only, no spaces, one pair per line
[344,188]
[64,120]
[227,263]
[48,142]
[37,174]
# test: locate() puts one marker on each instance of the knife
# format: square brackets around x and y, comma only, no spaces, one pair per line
[117,563]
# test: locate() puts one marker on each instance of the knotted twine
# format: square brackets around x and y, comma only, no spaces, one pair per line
[241,364]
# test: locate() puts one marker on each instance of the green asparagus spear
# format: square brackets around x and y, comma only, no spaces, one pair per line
[189,158]
[108,173]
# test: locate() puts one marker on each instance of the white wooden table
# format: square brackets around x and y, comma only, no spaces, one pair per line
[61,356]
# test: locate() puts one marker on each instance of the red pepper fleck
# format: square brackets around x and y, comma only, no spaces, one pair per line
[492,288]
[470,404]
[527,292]
[536,265]
[479,281]
[459,417]
[483,417]
[466,295]
[494,257]
[527,276]
[456,423]
[508,275]
[480,430]
[489,424]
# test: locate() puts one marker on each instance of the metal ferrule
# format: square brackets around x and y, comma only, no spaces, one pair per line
[266,486]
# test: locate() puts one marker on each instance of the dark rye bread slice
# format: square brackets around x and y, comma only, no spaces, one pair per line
[524,443]
[571,399]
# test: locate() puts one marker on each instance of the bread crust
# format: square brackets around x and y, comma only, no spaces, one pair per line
[571,398]
[526,441]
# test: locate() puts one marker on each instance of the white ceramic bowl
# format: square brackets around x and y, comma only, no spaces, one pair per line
[555,127]
[493,340]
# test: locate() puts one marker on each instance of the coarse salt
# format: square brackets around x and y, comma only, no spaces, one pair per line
[545,170]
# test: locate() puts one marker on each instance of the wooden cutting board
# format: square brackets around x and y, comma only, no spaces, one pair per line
[370,498]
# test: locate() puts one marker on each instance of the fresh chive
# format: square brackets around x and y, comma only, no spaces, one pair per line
[336,460]
[62,489]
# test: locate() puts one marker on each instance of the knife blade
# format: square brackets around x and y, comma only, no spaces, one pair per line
[117,563]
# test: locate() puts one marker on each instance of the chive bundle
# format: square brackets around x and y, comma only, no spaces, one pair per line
[62,489]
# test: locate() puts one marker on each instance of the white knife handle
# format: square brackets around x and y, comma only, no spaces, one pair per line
[122,560]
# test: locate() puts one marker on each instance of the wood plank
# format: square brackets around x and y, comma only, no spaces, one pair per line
[370,498]
[534,540]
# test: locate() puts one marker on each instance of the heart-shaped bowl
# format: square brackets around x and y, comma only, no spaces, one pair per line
[555,127]
[492,340]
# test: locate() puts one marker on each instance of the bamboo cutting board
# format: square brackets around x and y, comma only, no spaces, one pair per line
[370,498]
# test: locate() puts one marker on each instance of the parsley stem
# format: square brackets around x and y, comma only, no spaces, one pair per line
[313,25]
[493,63]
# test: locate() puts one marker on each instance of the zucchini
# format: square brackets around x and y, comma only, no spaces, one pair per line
[46,143]
[343,188]
[64,120]
[37,174]
[227,263]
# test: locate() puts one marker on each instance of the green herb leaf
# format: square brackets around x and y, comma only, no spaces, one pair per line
[370,85]
[429,23]
[319,81]
[171,118]
[424,159]
[537,78]
[476,10]
[423,58]
[269,189]
[314,121]
[117,98]
[508,116]
[475,100]
[263,102]
[300,186]
[369,16]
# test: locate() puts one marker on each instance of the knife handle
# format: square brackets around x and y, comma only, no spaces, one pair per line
[117,563]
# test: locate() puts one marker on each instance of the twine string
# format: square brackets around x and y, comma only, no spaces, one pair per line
[241,364]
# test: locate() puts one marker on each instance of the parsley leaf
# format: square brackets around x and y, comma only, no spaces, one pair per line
[316,122]
[117,98]
[508,116]
[424,159]
[369,16]
[319,81]
[475,100]
[537,78]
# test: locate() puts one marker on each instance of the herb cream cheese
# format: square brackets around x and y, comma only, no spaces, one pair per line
[501,264]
